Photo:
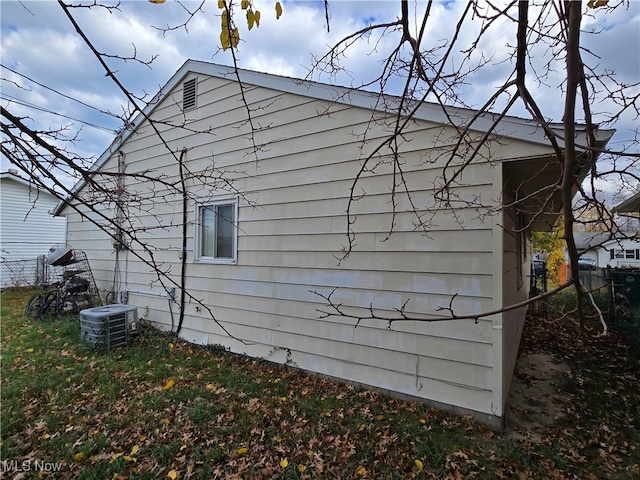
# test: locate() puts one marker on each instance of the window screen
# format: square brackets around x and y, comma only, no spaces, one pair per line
[217,232]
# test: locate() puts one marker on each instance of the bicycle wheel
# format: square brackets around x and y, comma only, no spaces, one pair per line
[48,303]
[34,306]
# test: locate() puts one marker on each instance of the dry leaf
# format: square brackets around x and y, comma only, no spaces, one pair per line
[169,384]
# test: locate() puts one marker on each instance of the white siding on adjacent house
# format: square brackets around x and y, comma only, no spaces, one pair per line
[621,252]
[27,228]
[626,253]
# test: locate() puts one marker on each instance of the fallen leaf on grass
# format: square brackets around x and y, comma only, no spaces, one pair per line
[169,384]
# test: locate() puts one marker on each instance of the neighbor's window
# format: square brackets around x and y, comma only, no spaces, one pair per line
[628,254]
[217,232]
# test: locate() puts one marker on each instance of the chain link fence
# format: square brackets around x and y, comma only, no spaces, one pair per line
[615,291]
[593,278]
[25,273]
[624,301]
[619,298]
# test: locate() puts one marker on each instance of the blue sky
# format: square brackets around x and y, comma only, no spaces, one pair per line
[38,42]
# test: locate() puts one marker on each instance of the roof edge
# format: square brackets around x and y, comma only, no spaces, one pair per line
[22,181]
[507,126]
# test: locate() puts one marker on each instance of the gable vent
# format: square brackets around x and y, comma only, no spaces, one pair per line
[189,94]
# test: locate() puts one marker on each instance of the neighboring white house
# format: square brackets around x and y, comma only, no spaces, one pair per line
[621,251]
[260,245]
[27,227]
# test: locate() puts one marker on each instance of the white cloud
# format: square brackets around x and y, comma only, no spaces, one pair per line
[39,41]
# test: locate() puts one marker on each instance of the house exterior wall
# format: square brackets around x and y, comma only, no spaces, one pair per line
[292,224]
[515,287]
[625,253]
[620,252]
[27,228]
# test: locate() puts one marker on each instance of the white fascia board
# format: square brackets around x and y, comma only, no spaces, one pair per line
[630,205]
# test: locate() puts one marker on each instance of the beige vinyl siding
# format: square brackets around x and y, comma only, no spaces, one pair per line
[292,225]
[516,279]
[85,235]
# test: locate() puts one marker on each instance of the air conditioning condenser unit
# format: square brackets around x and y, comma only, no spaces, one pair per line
[109,326]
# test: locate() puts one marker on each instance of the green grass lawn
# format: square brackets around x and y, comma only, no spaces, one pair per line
[163,408]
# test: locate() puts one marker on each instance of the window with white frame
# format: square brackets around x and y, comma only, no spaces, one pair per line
[217,232]
[625,254]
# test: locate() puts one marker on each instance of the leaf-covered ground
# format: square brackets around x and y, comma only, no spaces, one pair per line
[163,408]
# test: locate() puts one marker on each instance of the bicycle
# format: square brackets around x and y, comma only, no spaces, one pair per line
[67,296]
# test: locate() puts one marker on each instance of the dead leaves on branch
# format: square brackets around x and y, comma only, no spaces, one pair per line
[229,32]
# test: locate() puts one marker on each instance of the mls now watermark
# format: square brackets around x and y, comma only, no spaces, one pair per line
[16,466]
